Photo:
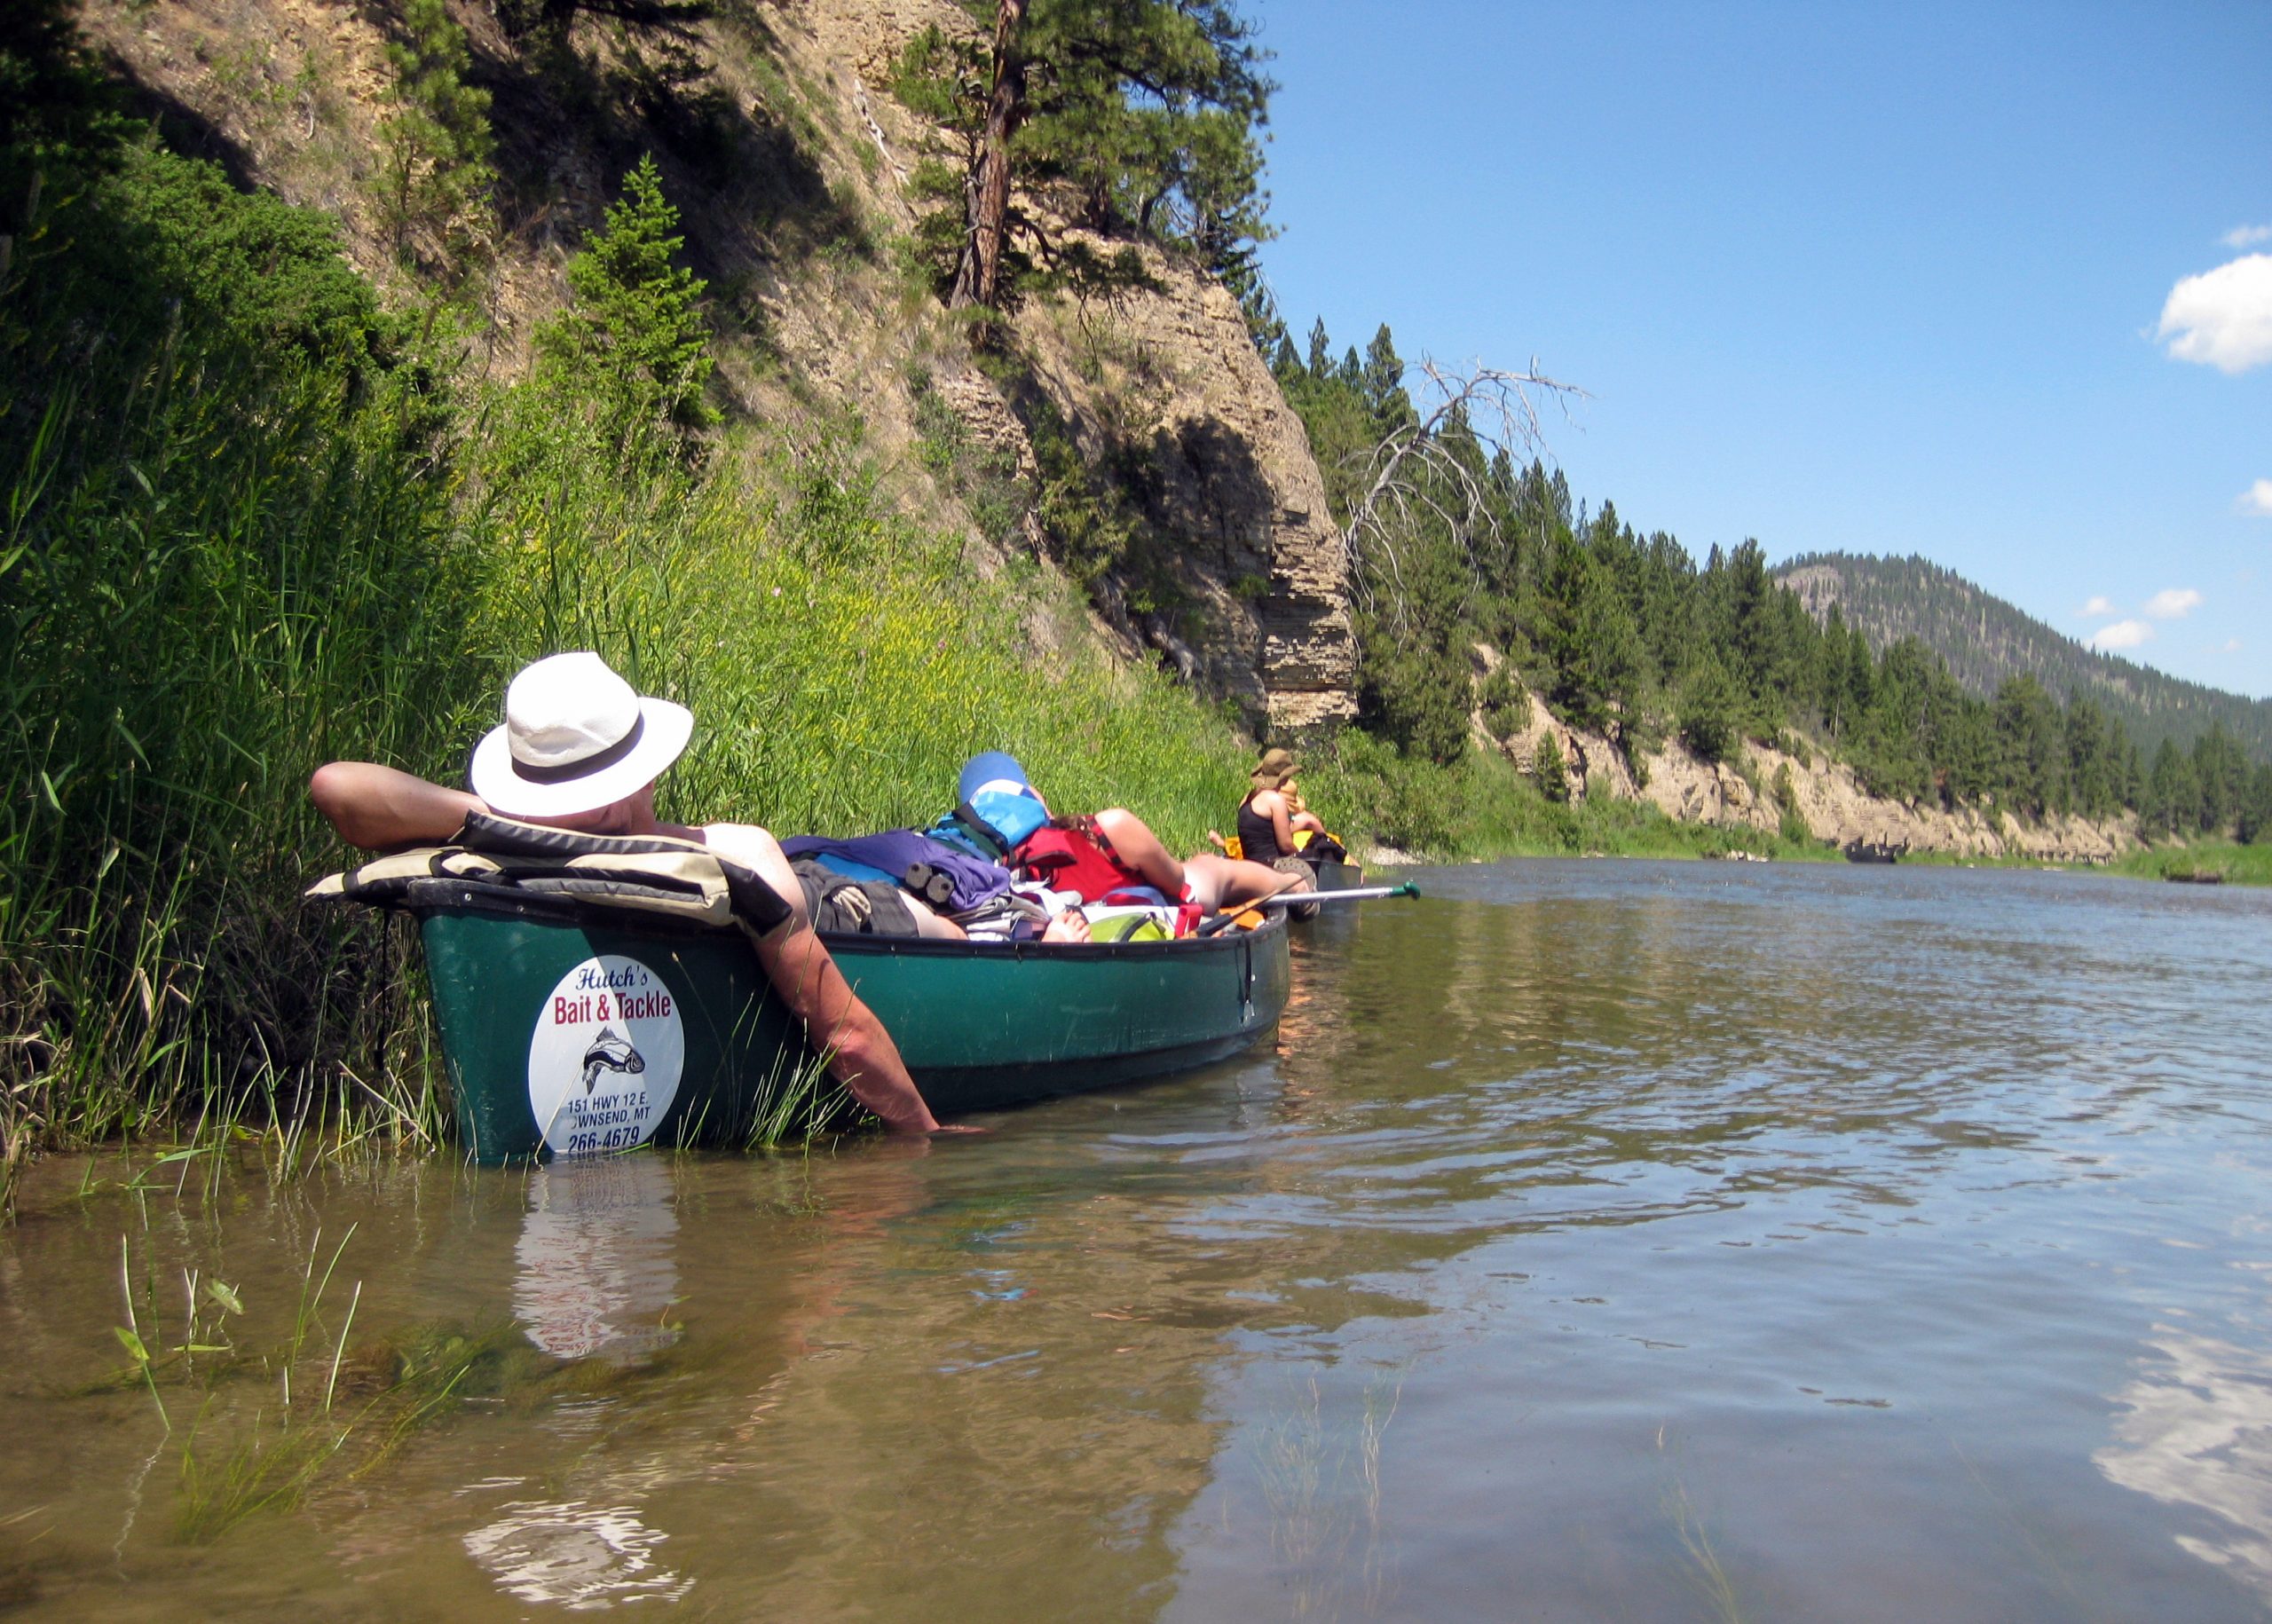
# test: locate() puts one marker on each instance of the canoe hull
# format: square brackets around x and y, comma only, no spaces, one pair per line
[567,1037]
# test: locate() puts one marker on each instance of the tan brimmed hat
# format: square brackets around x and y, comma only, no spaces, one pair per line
[1275,769]
[576,738]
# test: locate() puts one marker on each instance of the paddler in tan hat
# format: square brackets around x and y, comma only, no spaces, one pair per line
[1273,814]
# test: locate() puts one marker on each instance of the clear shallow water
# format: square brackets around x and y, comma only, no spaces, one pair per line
[1600,1240]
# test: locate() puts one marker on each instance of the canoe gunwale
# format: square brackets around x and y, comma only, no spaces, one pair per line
[437,897]
[851,945]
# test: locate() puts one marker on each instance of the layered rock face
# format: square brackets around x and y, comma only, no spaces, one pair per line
[1167,373]
[1227,479]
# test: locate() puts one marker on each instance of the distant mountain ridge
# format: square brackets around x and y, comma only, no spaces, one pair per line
[1985,640]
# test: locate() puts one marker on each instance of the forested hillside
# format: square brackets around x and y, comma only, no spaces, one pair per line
[1456,540]
[1985,640]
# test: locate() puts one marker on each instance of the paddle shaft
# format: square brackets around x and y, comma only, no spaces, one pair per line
[1288,899]
[1355,893]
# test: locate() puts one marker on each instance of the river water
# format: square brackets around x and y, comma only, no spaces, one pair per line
[1599,1240]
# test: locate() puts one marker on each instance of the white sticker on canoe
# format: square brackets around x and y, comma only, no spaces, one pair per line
[605,1058]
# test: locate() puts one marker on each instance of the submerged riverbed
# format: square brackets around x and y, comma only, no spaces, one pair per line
[1597,1240]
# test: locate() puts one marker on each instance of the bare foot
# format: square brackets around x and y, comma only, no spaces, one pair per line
[1071,926]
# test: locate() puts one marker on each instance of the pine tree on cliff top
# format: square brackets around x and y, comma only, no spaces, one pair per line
[1130,117]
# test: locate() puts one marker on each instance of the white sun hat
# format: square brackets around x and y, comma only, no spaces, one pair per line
[576,738]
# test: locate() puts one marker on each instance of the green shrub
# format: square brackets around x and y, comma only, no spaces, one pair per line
[631,349]
[1505,701]
[1548,770]
[435,143]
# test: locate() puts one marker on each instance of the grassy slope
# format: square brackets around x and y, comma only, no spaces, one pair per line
[2246,866]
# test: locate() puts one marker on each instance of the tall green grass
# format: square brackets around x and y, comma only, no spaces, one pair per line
[841,664]
[2244,865]
[214,577]
[229,558]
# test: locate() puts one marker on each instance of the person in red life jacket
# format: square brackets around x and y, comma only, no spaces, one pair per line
[580,749]
[1111,853]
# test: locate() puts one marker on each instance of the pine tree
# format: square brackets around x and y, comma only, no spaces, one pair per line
[1709,709]
[1548,770]
[435,143]
[1131,117]
[2172,805]
[635,341]
[2254,824]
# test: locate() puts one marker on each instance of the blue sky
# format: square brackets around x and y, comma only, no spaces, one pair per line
[1889,280]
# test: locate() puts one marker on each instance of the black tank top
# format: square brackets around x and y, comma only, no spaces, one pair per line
[1258,835]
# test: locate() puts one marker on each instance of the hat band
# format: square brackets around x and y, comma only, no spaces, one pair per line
[582,766]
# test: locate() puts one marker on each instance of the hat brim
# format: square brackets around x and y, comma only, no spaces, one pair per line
[666,727]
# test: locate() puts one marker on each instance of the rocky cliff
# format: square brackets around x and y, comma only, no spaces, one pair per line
[790,159]
[1825,795]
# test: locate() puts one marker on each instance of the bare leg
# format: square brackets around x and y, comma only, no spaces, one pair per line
[1135,844]
[928,922]
[1222,884]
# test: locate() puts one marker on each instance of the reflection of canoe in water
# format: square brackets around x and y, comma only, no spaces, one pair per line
[520,997]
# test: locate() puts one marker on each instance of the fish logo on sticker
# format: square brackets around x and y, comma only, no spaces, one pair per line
[605,1058]
[610,1053]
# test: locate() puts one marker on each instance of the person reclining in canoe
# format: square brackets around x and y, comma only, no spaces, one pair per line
[580,750]
[1110,853]
[949,891]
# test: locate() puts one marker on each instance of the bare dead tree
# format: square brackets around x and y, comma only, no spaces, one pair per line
[1418,476]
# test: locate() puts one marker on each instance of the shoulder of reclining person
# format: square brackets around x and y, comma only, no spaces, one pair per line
[745,843]
[756,848]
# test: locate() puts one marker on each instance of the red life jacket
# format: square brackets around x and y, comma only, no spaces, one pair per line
[1070,854]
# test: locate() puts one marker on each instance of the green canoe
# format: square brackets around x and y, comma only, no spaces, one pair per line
[569,1036]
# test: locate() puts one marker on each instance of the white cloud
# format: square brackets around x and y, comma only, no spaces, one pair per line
[2232,645]
[2246,236]
[2100,605]
[2121,634]
[2173,603]
[2257,500]
[2222,318]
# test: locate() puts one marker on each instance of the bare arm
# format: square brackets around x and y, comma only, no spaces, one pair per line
[1135,843]
[1302,817]
[862,1055]
[376,807]
[1271,805]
